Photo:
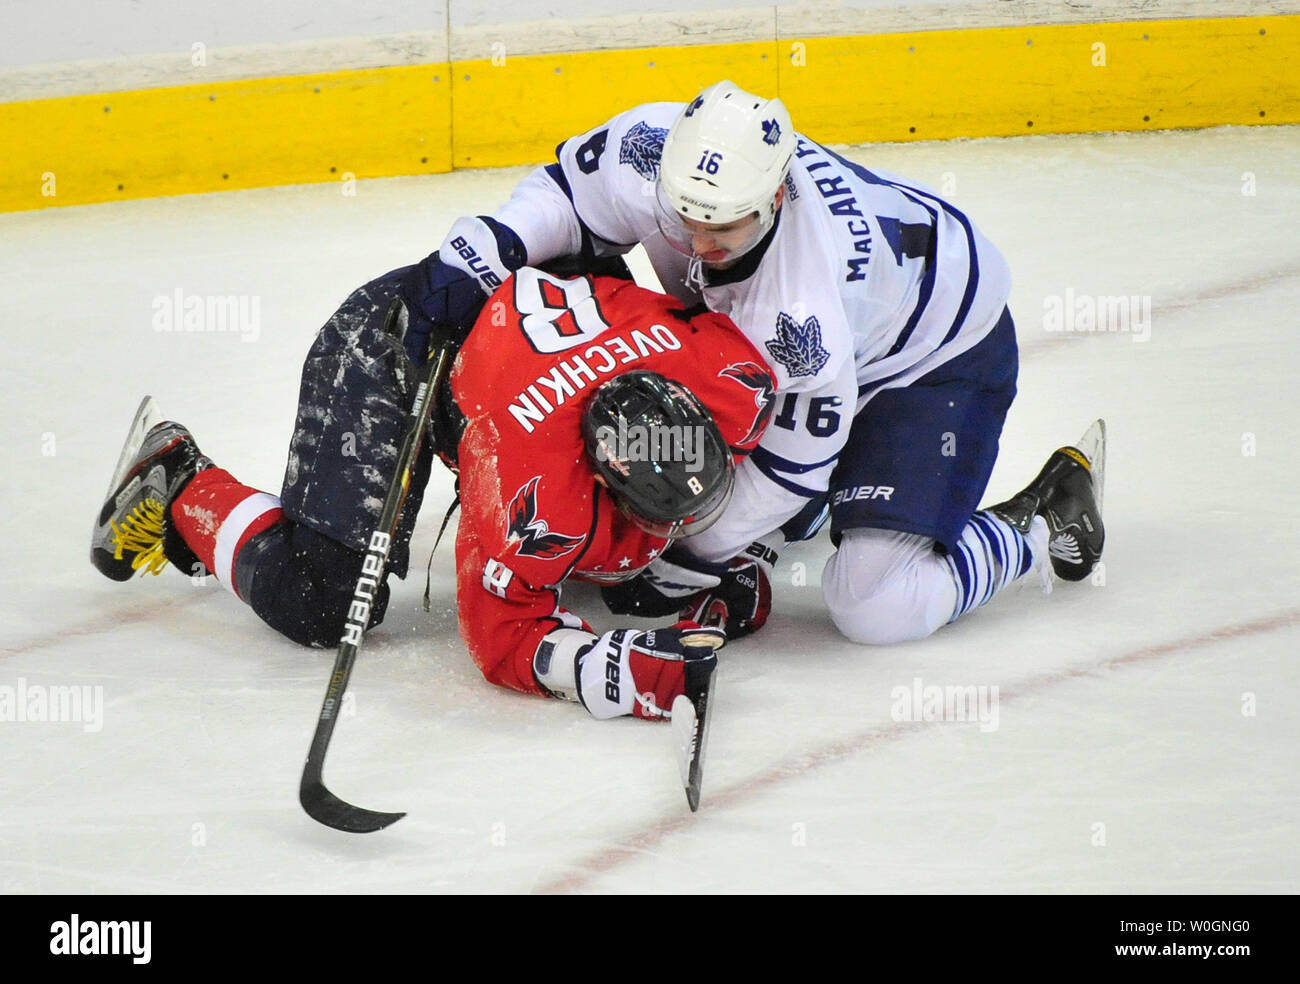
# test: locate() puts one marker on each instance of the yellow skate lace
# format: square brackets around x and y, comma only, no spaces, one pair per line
[141,533]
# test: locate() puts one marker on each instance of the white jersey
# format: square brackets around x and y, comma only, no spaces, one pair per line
[865,282]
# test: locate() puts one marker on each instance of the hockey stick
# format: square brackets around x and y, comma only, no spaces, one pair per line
[322,805]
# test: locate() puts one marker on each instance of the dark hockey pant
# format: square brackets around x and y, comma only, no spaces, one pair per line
[357,382]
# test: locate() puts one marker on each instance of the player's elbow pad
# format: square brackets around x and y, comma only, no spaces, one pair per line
[555,663]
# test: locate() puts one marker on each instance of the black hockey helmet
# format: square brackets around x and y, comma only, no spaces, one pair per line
[659,453]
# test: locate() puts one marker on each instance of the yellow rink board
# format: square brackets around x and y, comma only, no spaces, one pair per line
[242,134]
[430,118]
[1069,78]
[517,112]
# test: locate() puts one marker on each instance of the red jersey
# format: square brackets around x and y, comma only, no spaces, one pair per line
[532,512]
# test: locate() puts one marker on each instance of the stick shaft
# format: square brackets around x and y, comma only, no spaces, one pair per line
[315,798]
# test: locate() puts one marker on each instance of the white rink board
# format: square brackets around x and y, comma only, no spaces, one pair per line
[72,30]
[67,47]
[1120,705]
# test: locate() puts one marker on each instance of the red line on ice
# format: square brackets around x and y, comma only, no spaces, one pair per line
[647,838]
[103,622]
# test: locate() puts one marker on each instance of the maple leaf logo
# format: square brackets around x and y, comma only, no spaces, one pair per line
[531,535]
[771,132]
[642,147]
[753,376]
[798,347]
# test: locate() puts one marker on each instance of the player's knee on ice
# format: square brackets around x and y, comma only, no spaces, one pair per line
[301,583]
[883,587]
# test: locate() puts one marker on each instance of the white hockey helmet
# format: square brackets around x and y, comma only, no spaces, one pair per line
[723,159]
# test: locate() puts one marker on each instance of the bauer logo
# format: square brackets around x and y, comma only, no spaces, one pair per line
[863,492]
[477,265]
[105,938]
[931,702]
[363,596]
[710,206]
[234,314]
[612,672]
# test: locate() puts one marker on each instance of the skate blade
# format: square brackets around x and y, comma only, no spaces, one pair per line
[146,416]
[1093,446]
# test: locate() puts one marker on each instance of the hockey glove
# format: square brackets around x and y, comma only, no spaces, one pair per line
[663,587]
[625,671]
[449,287]
[742,600]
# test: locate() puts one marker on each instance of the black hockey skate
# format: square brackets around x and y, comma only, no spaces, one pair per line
[1067,493]
[131,531]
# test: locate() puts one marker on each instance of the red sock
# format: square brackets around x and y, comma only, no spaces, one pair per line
[216,516]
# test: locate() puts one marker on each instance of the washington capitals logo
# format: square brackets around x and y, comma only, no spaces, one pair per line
[696,103]
[753,376]
[771,132]
[798,347]
[642,147]
[532,536]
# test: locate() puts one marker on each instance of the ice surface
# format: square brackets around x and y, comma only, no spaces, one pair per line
[1163,704]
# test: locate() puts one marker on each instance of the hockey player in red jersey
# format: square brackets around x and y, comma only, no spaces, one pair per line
[593,421]
[587,448]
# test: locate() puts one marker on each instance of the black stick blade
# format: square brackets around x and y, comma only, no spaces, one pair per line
[324,807]
[692,712]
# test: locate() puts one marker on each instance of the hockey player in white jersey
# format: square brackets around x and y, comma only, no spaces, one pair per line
[883,310]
